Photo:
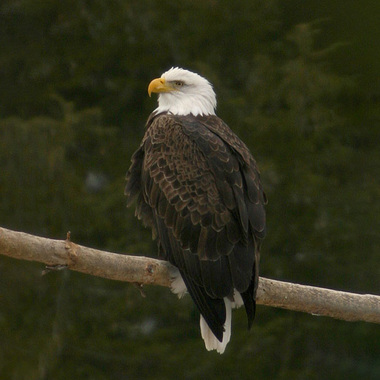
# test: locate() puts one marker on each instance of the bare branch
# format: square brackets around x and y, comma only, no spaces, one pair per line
[144,270]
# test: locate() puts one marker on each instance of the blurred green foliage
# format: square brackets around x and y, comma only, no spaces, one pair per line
[299,87]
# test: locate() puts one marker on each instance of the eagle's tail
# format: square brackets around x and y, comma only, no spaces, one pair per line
[211,342]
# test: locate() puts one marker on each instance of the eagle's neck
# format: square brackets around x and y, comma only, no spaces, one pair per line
[179,103]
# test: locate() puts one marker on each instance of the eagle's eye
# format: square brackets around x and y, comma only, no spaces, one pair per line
[178,83]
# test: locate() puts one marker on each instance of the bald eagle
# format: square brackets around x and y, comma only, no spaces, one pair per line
[198,188]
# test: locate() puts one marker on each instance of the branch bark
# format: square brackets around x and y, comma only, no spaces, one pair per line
[144,270]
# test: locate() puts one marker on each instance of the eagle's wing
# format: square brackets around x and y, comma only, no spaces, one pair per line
[198,189]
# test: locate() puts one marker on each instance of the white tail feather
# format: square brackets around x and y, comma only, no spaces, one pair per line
[211,342]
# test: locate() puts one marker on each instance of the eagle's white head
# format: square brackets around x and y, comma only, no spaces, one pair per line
[182,92]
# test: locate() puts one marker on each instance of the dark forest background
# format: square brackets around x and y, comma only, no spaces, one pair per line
[298,81]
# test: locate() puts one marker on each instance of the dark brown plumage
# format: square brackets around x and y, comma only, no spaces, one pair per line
[198,188]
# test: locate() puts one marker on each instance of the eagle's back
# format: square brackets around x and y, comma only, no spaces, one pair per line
[198,188]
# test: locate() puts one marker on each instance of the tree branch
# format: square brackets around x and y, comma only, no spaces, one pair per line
[144,270]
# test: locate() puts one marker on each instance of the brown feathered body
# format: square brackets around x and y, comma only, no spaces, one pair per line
[198,188]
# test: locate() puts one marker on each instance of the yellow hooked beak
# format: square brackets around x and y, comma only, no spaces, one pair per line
[159,85]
